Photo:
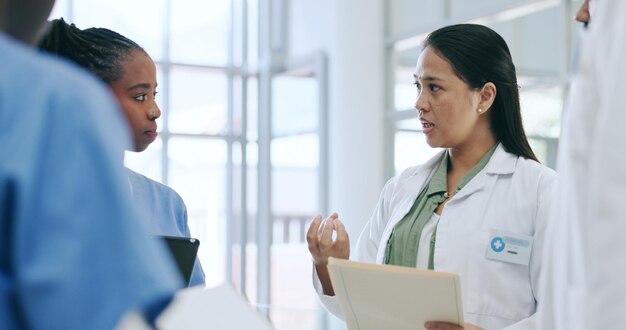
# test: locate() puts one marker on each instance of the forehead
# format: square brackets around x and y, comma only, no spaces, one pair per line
[138,66]
[431,64]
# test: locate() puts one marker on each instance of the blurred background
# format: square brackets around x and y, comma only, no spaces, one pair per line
[275,111]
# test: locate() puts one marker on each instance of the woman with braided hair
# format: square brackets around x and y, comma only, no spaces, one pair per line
[130,73]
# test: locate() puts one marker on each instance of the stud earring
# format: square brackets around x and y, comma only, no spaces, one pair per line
[480,110]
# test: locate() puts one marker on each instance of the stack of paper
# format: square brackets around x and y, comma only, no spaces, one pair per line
[392,297]
[220,307]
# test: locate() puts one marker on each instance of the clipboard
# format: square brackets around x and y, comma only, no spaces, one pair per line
[376,296]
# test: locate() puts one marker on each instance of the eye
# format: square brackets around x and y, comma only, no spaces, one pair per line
[434,88]
[154,94]
[418,86]
[140,97]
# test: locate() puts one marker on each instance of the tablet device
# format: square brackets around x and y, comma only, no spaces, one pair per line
[184,250]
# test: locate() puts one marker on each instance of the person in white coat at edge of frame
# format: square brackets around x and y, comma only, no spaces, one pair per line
[587,257]
[486,186]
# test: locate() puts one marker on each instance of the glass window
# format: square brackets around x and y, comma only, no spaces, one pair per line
[294,202]
[198,101]
[197,171]
[541,110]
[148,162]
[294,105]
[141,20]
[200,31]
[405,92]
[410,147]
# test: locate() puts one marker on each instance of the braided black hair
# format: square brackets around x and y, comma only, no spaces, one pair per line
[99,50]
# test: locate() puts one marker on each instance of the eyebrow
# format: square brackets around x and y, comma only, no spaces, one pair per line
[427,78]
[140,86]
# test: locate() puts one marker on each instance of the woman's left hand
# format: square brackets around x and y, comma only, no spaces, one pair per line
[449,326]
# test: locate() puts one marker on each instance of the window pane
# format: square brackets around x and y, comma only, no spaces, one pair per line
[411,148]
[294,104]
[200,31]
[147,162]
[404,88]
[541,110]
[294,202]
[197,172]
[139,20]
[253,108]
[61,9]
[253,33]
[197,101]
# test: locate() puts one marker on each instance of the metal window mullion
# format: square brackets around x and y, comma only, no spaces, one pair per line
[243,206]
[264,220]
[166,65]
[389,76]
[228,272]
[323,131]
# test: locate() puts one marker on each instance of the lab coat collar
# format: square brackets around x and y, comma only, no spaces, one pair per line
[501,162]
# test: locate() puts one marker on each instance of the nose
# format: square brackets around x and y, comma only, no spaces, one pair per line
[582,15]
[421,103]
[154,112]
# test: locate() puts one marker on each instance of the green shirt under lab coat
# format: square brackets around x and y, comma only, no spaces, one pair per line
[404,240]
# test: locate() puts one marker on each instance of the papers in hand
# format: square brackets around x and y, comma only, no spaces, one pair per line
[392,297]
[220,307]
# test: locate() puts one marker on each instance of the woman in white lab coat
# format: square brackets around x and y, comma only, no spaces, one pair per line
[479,208]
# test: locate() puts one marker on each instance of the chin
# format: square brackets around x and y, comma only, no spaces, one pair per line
[432,144]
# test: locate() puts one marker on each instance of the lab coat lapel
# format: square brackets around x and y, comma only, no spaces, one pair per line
[412,186]
[501,162]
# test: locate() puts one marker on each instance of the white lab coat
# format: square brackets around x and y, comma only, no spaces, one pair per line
[587,257]
[511,194]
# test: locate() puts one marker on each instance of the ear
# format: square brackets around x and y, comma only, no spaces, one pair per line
[487,96]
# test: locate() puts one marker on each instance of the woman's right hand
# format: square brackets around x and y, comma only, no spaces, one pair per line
[321,243]
[322,246]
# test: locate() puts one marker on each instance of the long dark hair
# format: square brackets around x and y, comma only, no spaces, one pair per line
[479,55]
[99,50]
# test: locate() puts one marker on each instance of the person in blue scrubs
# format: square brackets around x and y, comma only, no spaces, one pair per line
[131,74]
[72,247]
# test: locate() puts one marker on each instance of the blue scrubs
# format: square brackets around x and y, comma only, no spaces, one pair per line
[165,211]
[73,253]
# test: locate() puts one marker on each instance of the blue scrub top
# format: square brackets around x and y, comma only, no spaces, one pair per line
[73,253]
[165,212]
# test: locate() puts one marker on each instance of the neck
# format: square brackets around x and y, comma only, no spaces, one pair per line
[462,159]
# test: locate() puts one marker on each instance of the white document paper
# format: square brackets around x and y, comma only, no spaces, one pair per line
[220,307]
[375,297]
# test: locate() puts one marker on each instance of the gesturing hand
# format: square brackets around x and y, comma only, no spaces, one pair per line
[321,242]
[322,245]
